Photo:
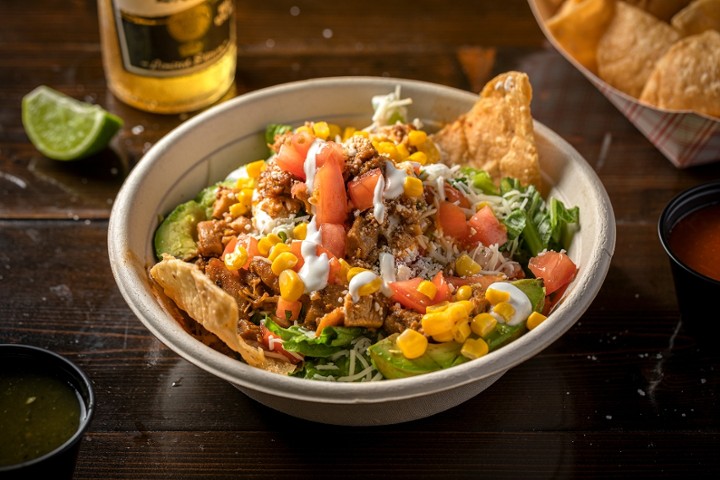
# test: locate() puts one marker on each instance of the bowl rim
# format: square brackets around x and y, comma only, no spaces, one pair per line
[245,376]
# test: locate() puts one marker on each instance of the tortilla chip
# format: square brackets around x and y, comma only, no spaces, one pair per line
[687,77]
[212,307]
[699,16]
[497,134]
[632,44]
[578,27]
[662,9]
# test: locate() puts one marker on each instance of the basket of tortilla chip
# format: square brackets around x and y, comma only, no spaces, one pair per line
[657,61]
[324,245]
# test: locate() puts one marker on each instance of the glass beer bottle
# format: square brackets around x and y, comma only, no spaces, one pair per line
[168,56]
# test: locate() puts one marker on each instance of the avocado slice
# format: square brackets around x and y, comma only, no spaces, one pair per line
[390,361]
[177,233]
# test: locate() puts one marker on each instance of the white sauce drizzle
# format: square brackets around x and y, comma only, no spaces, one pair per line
[310,164]
[387,272]
[359,280]
[519,301]
[314,272]
[395,183]
[378,205]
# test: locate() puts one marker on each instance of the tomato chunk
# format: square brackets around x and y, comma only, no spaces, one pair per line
[292,153]
[555,268]
[333,238]
[329,192]
[362,189]
[405,292]
[488,229]
[452,221]
[273,343]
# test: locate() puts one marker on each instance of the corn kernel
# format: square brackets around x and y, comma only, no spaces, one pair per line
[505,310]
[321,130]
[444,337]
[465,266]
[352,271]
[334,130]
[245,196]
[437,323]
[495,296]
[303,128]
[344,267]
[483,324]
[244,182]
[467,305]
[348,132]
[291,285]
[418,157]
[427,288]
[283,261]
[389,149]
[412,343]
[461,331]
[370,287]
[361,133]
[277,249]
[402,151]
[413,187]
[237,209]
[300,231]
[474,348]
[416,137]
[464,292]
[254,169]
[266,243]
[237,258]
[438,307]
[457,312]
[430,149]
[535,319]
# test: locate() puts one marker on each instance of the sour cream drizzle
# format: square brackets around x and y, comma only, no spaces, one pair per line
[391,185]
[314,272]
[362,278]
[519,301]
[310,164]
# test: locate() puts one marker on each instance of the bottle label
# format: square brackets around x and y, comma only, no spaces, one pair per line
[167,38]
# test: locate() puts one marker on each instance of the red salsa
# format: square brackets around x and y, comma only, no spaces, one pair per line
[695,240]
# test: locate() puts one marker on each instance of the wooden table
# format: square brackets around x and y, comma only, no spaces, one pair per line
[626,393]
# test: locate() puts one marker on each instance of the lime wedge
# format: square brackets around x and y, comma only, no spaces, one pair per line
[63,128]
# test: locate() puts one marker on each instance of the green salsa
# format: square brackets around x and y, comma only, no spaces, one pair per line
[38,413]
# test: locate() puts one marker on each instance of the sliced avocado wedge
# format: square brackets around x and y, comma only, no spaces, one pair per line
[177,233]
[390,361]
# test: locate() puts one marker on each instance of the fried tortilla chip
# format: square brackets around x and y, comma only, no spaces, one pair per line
[578,27]
[699,16]
[687,77]
[212,307]
[497,134]
[632,44]
[662,9]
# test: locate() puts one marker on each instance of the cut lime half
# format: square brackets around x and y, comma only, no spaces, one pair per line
[63,128]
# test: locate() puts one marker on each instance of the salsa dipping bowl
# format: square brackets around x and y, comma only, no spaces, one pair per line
[207,147]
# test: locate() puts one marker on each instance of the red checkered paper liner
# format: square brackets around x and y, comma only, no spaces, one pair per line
[685,138]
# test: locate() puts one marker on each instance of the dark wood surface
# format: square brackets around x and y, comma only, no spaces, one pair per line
[626,393]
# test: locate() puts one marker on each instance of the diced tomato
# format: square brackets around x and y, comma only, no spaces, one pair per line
[329,192]
[452,221]
[555,268]
[331,152]
[333,238]
[291,155]
[251,245]
[362,189]
[488,229]
[273,343]
[453,195]
[405,292]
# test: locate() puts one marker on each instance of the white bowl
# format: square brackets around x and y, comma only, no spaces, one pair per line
[210,145]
